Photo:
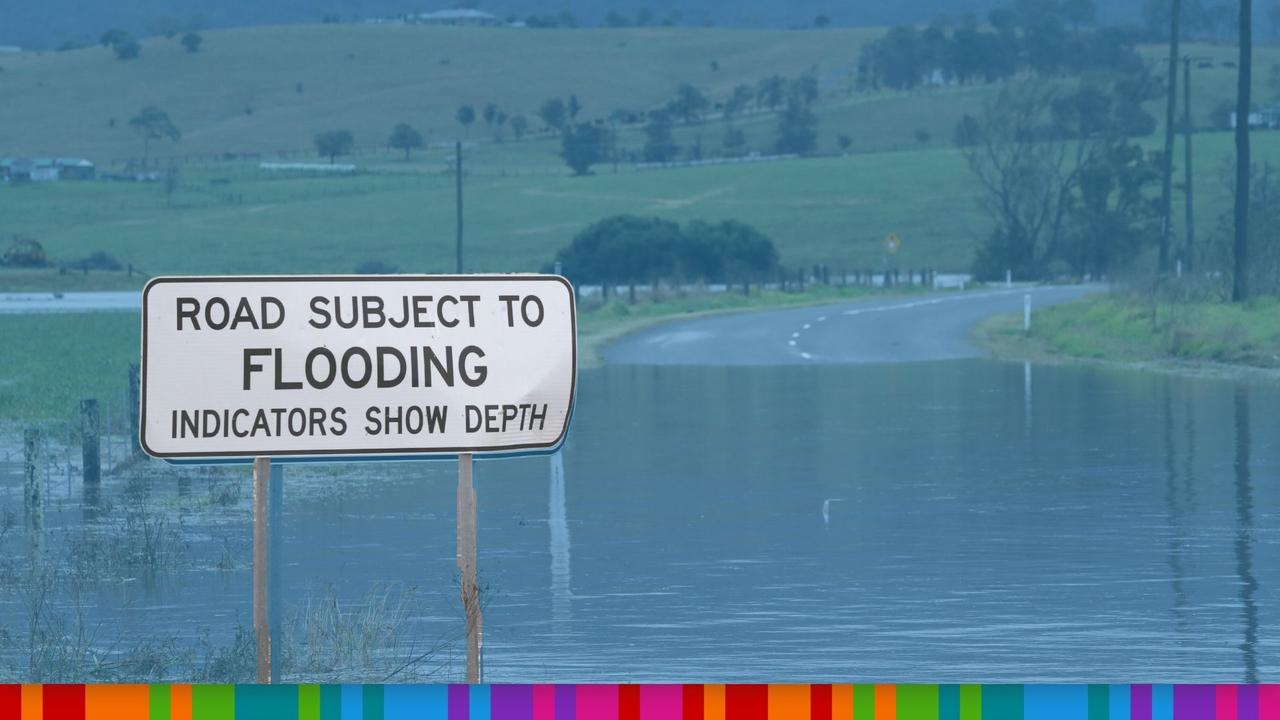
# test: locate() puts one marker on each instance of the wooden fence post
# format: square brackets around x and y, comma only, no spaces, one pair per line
[33,494]
[90,451]
[133,409]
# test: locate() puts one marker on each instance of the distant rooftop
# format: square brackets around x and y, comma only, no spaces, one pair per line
[458,14]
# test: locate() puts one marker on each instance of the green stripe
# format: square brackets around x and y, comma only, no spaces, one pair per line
[1002,702]
[213,702]
[970,702]
[308,702]
[331,702]
[1099,702]
[917,702]
[864,702]
[372,702]
[159,702]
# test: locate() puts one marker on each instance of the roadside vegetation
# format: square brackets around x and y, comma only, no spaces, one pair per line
[1142,328]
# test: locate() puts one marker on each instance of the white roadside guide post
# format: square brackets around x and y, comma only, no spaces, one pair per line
[357,368]
[1026,313]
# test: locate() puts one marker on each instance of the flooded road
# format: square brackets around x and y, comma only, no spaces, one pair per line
[933,521]
[925,522]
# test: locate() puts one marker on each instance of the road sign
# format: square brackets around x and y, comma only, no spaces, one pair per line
[396,365]
[891,243]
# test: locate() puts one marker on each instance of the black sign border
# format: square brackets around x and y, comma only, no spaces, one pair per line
[358,455]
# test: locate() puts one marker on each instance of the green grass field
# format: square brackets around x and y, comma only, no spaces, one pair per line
[1134,328]
[522,205]
[831,210]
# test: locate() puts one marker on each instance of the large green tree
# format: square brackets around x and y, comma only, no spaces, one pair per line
[334,143]
[583,145]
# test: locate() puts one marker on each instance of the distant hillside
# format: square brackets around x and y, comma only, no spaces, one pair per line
[271,89]
[49,23]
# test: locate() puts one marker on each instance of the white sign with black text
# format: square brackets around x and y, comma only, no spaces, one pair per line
[341,366]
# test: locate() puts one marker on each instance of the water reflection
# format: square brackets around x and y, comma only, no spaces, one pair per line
[558,522]
[1177,512]
[1244,536]
[971,544]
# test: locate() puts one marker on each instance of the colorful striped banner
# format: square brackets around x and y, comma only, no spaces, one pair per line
[640,702]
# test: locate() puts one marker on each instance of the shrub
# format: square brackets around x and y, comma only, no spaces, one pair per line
[99,260]
[626,248]
[25,252]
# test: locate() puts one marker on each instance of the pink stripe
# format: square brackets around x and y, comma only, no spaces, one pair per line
[661,702]
[598,701]
[1225,702]
[544,702]
[1269,701]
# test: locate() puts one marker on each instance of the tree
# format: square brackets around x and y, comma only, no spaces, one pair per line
[1026,182]
[616,20]
[582,146]
[405,137]
[333,143]
[554,113]
[771,92]
[797,129]
[623,248]
[1244,79]
[659,145]
[152,123]
[191,41]
[466,115]
[644,16]
[821,21]
[127,49]
[1079,12]
[689,103]
[738,101]
[734,140]
[844,141]
[519,126]
[113,36]
[804,88]
[490,114]
[574,107]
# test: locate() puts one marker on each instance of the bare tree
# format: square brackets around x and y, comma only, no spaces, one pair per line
[1026,179]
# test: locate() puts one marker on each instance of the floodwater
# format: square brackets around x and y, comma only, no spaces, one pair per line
[939,522]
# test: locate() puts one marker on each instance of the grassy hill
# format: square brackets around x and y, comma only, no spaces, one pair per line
[229,216]
[240,93]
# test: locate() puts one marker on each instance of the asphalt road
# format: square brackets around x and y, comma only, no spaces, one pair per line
[904,329]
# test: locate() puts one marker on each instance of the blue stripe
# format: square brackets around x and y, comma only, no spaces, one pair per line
[352,702]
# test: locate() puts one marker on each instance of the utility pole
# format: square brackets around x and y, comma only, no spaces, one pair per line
[1240,281]
[1188,251]
[1166,175]
[458,194]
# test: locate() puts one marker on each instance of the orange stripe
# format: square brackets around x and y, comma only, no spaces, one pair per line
[112,702]
[713,702]
[32,702]
[886,702]
[841,702]
[179,702]
[788,702]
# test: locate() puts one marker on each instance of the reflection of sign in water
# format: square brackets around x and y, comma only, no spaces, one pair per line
[891,243]
[391,365]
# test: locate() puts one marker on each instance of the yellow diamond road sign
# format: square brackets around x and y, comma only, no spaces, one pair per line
[892,243]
